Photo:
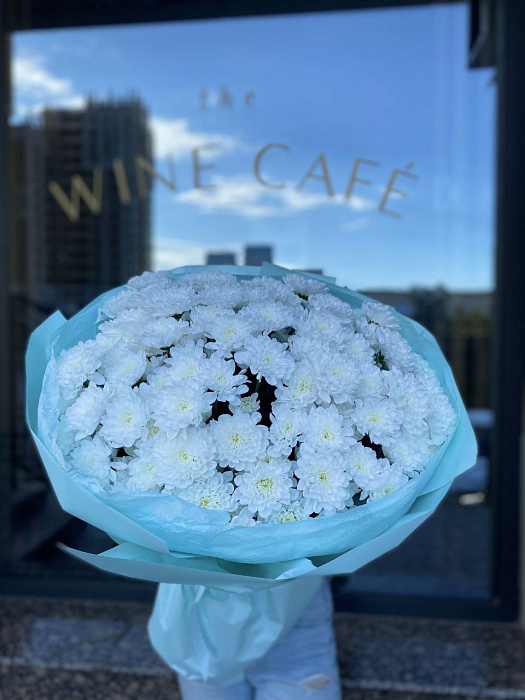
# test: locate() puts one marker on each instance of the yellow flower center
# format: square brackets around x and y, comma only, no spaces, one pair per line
[265,484]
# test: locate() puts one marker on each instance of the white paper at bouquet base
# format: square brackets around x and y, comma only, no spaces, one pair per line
[208,634]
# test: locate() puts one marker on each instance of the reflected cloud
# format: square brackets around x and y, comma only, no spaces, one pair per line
[251,199]
[37,87]
[32,78]
[174,138]
[170,252]
[356,225]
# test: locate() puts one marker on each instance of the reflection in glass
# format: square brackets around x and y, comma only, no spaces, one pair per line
[357,144]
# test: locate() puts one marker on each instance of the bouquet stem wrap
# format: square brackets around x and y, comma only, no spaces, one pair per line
[228,593]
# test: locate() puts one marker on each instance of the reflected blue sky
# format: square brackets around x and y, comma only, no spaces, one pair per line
[391,86]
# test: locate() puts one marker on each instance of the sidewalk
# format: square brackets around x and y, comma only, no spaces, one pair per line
[82,650]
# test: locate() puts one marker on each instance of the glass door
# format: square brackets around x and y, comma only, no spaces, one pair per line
[358,144]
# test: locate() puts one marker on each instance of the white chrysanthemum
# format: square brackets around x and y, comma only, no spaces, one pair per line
[301,388]
[303,347]
[184,459]
[286,427]
[213,494]
[168,300]
[147,279]
[265,488]
[326,303]
[357,345]
[123,364]
[441,419]
[323,480]
[126,299]
[270,289]
[268,316]
[227,296]
[242,518]
[163,332]
[177,406]
[144,467]
[239,440]
[395,350]
[426,375]
[290,514]
[93,457]
[377,418]
[125,327]
[247,404]
[202,317]
[158,379]
[220,378]
[389,481]
[125,419]
[76,366]
[363,466]
[410,453]
[187,361]
[322,327]
[83,416]
[326,429]
[65,438]
[154,362]
[371,381]
[228,332]
[266,357]
[410,397]
[304,287]
[201,281]
[380,315]
[337,375]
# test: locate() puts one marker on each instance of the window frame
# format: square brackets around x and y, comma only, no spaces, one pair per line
[509,292]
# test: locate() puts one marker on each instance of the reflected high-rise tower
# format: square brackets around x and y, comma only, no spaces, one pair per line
[109,243]
[68,250]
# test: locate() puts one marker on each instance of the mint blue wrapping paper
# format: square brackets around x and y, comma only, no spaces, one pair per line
[210,573]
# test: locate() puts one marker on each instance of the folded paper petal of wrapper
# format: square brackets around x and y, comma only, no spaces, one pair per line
[227,594]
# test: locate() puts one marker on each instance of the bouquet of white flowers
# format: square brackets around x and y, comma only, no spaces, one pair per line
[260,425]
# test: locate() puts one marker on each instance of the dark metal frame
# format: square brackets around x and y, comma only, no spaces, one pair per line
[509,19]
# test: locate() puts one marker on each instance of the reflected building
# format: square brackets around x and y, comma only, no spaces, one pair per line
[65,253]
[257,254]
[97,251]
[461,323]
[226,258]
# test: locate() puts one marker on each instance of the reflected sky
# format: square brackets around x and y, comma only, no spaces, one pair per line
[391,86]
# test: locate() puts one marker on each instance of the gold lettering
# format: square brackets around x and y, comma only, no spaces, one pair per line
[142,166]
[325,177]
[354,178]
[225,98]
[121,179]
[79,190]
[198,167]
[391,189]
[257,165]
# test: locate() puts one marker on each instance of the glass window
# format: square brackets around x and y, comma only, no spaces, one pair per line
[358,144]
